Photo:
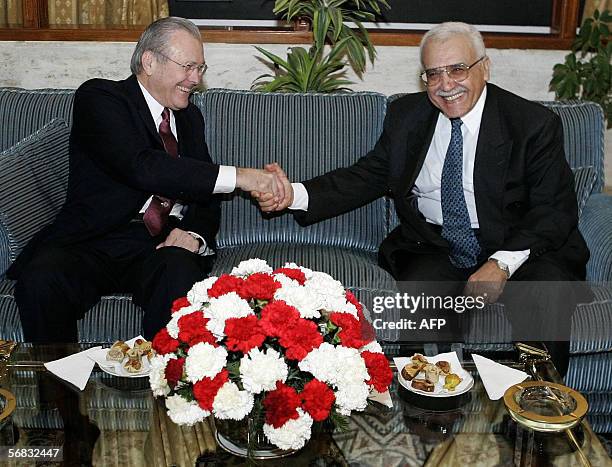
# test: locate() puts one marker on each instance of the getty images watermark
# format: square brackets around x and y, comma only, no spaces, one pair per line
[404,302]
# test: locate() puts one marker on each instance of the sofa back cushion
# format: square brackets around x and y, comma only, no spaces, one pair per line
[24,111]
[307,134]
[583,135]
[33,182]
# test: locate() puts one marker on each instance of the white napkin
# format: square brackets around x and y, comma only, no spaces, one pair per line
[497,377]
[74,368]
[384,398]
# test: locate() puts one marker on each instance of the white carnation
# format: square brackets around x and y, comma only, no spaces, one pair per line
[230,305]
[199,292]
[335,365]
[157,375]
[307,303]
[352,397]
[204,361]
[285,281]
[260,370]
[325,284]
[172,326]
[338,304]
[373,347]
[251,266]
[307,272]
[232,403]
[293,434]
[183,412]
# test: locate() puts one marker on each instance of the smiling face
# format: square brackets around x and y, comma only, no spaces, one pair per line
[452,98]
[168,82]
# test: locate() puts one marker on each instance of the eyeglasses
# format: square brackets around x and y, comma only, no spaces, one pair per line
[188,67]
[457,73]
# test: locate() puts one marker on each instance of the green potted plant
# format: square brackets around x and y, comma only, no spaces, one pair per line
[314,70]
[587,72]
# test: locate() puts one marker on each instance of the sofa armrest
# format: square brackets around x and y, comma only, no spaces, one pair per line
[5,260]
[596,227]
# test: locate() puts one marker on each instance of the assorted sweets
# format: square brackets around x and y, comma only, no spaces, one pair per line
[131,358]
[431,374]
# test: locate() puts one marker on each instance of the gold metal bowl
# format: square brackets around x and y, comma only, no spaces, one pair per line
[545,406]
[7,404]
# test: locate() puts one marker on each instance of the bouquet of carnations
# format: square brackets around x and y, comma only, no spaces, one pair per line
[288,344]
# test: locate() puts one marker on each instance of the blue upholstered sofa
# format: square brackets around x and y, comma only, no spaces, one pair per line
[308,135]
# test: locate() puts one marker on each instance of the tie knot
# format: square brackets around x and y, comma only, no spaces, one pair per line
[456,123]
[166,115]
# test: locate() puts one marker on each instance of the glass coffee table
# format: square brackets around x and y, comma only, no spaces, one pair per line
[116,421]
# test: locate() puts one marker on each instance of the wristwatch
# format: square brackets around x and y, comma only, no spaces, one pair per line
[503,266]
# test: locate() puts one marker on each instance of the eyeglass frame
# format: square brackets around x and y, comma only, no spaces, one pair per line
[423,73]
[187,67]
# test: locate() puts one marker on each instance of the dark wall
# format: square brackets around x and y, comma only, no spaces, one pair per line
[501,12]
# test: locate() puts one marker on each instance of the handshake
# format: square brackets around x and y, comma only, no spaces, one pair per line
[270,187]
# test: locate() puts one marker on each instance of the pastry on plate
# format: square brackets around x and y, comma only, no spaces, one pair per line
[144,347]
[444,366]
[451,381]
[117,351]
[133,363]
[422,385]
[432,373]
[418,358]
[411,370]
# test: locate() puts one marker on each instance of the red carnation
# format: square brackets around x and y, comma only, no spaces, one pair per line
[350,330]
[318,399]
[292,273]
[226,284]
[174,371]
[378,369]
[243,334]
[300,338]
[276,316]
[179,303]
[260,286]
[192,329]
[281,405]
[352,299]
[206,389]
[163,343]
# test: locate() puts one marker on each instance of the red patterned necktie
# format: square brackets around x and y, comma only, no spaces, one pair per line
[156,215]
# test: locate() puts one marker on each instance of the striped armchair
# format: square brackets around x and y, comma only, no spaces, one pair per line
[308,135]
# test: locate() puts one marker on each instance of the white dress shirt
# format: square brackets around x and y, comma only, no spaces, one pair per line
[428,184]
[225,183]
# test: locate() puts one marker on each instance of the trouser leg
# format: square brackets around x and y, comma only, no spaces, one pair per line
[162,277]
[56,289]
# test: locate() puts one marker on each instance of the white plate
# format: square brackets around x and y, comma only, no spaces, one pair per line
[116,368]
[451,357]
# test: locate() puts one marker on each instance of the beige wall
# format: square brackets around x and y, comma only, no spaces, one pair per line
[67,64]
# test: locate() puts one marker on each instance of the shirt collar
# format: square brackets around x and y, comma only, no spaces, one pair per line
[155,107]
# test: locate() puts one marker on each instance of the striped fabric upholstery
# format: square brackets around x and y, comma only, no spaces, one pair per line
[592,322]
[352,267]
[24,111]
[307,134]
[33,180]
[591,372]
[10,326]
[584,181]
[595,224]
[583,135]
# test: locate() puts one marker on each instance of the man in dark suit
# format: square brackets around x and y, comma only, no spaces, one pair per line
[480,184]
[141,213]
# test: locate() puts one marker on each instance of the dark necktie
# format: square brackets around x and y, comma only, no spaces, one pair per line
[456,226]
[156,215]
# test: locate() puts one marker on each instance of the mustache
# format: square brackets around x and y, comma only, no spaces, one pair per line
[452,92]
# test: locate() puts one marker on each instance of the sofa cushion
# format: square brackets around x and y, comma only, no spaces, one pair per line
[24,111]
[33,179]
[307,134]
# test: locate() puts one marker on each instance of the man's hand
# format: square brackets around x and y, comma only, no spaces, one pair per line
[488,281]
[256,180]
[181,239]
[267,202]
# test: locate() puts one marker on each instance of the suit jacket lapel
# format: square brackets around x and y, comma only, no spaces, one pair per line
[490,165]
[140,103]
[418,142]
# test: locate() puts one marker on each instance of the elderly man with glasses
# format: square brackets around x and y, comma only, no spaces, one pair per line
[141,212]
[481,187]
